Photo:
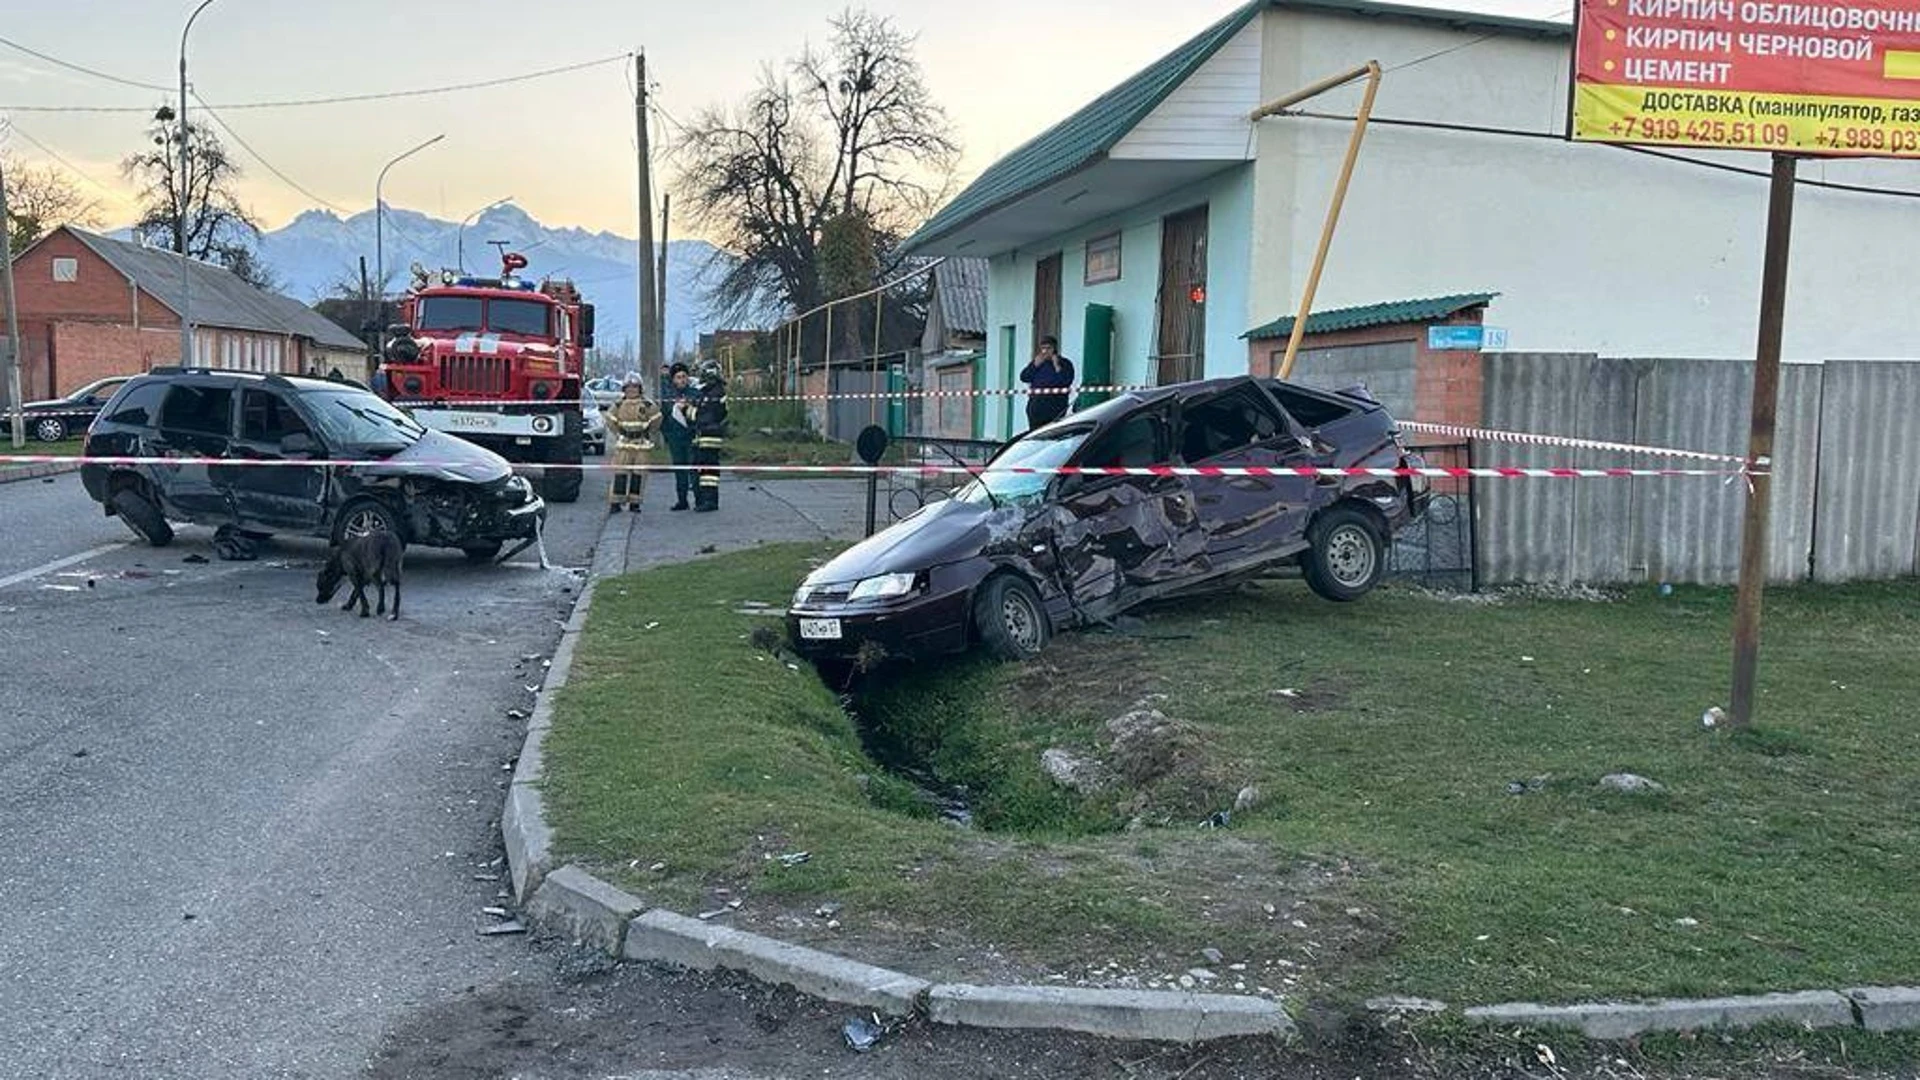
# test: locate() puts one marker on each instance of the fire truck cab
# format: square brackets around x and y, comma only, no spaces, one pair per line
[498,362]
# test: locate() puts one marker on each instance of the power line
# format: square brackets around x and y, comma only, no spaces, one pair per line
[1521,133]
[55,155]
[268,165]
[70,66]
[387,95]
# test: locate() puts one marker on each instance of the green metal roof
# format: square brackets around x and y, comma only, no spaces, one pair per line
[1085,137]
[1389,314]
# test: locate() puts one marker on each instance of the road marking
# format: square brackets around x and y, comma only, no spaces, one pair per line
[58,564]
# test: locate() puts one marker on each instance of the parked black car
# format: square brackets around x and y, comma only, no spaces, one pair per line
[427,488]
[1012,556]
[59,418]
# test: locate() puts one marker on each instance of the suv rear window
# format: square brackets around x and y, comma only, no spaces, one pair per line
[198,410]
[140,405]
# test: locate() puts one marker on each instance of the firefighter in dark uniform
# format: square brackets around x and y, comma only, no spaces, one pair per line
[709,437]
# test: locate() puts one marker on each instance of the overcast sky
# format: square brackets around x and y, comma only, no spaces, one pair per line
[562,146]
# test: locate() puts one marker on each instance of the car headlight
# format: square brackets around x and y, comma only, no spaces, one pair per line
[800,595]
[884,587]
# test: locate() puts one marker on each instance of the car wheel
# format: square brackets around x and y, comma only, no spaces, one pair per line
[1349,554]
[363,518]
[1011,620]
[131,505]
[483,553]
[49,429]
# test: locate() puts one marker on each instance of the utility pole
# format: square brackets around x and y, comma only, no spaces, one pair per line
[19,424]
[368,315]
[666,208]
[652,338]
[1761,423]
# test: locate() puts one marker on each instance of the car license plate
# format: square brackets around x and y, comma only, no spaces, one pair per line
[474,421]
[820,629]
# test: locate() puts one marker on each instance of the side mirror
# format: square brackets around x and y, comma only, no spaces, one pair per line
[586,326]
[298,444]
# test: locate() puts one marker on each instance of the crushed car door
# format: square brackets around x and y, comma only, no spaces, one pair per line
[196,421]
[282,496]
[1247,518]
[1114,537]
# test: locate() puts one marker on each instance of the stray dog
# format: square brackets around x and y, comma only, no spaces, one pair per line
[371,559]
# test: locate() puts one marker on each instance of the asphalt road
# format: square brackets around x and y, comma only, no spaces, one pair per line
[244,829]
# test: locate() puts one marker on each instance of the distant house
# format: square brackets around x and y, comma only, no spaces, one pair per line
[1162,235]
[953,349]
[91,307]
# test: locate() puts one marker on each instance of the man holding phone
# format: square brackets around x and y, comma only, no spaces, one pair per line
[1051,377]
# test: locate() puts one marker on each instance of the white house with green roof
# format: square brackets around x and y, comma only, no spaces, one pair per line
[1160,229]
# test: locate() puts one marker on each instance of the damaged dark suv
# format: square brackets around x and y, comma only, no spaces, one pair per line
[423,486]
[1015,554]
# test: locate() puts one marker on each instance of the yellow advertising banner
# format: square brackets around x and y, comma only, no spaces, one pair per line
[1817,78]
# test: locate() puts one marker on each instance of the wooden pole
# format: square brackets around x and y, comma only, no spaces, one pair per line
[649,300]
[1766,395]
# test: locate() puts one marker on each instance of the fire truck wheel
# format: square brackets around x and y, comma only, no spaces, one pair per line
[561,485]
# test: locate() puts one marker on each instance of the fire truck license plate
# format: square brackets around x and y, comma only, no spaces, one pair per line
[474,421]
[820,629]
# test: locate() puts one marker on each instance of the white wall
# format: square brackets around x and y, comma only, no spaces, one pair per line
[1205,118]
[1229,198]
[1592,248]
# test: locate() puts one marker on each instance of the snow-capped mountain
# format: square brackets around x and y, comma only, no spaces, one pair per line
[319,249]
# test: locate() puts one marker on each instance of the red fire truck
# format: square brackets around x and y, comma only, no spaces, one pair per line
[498,362]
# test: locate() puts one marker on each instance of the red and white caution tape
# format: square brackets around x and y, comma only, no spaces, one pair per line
[864,395]
[1523,438]
[1265,471]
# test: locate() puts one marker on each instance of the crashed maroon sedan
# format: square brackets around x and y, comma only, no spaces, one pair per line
[1013,556]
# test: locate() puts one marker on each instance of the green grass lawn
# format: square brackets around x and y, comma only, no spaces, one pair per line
[34,447]
[1386,853]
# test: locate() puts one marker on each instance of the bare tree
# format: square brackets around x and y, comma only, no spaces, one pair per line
[850,135]
[198,213]
[41,198]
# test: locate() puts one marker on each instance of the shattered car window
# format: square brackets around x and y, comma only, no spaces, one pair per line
[1046,450]
[351,418]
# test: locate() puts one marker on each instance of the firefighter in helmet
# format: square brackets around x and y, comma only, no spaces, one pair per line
[633,421]
[709,437]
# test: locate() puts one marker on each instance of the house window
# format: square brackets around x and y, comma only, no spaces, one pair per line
[1103,259]
[66,270]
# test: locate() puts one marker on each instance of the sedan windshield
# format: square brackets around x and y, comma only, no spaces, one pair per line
[350,418]
[1047,450]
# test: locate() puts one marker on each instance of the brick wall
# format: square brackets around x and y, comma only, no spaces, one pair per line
[86,351]
[98,291]
[1447,385]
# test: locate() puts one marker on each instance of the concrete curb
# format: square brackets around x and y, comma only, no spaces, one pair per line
[1118,1014]
[663,937]
[1811,1008]
[584,908]
[523,820]
[13,474]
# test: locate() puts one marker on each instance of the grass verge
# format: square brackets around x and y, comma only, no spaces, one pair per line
[1451,753]
[1429,820]
[34,447]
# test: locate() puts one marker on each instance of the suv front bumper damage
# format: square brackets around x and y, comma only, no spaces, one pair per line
[464,515]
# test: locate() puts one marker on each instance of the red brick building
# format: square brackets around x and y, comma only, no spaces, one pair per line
[92,307]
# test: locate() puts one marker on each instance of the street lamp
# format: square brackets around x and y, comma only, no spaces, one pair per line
[379,220]
[460,235]
[181,190]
